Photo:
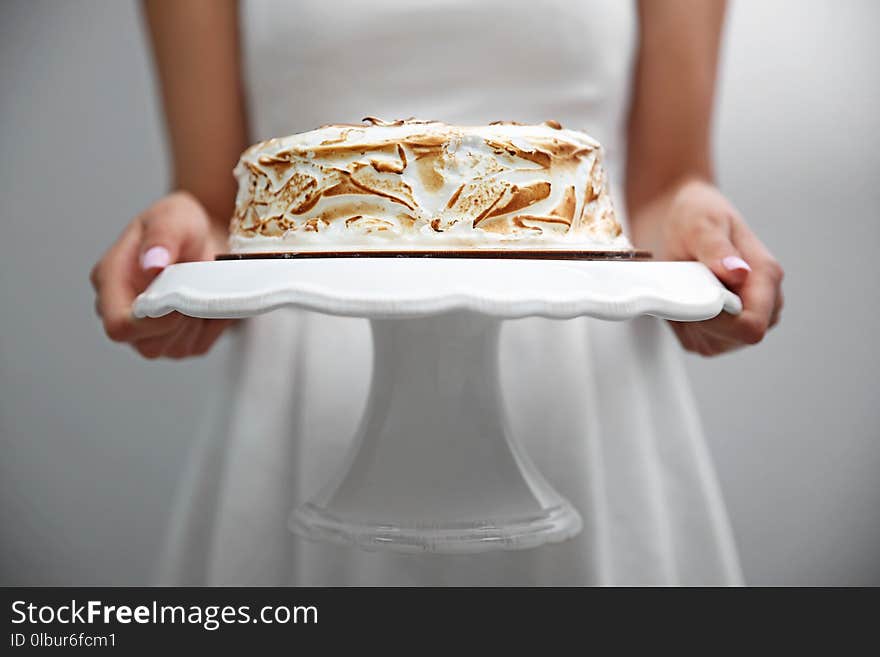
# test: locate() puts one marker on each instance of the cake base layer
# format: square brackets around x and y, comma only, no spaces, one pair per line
[507,254]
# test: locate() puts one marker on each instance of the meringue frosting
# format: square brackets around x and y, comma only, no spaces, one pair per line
[424,185]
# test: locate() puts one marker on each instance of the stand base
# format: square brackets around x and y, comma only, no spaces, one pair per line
[433,467]
[551,526]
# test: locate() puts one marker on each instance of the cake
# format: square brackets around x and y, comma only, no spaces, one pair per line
[414,185]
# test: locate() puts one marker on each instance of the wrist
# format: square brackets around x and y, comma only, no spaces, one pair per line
[650,218]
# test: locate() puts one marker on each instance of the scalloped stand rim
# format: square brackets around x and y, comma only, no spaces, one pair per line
[407,287]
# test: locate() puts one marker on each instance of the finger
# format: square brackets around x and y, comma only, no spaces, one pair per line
[117,279]
[154,346]
[94,276]
[749,243]
[694,338]
[765,261]
[149,327]
[683,332]
[175,230]
[151,348]
[765,296]
[177,346]
[702,343]
[213,329]
[188,343]
[720,335]
[116,255]
[758,295]
[777,310]
[760,292]
[719,345]
[712,245]
[116,288]
[194,339]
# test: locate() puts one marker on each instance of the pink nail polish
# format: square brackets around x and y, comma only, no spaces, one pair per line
[155,258]
[732,263]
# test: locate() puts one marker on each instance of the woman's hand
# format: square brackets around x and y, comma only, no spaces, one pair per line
[696,222]
[175,229]
[668,139]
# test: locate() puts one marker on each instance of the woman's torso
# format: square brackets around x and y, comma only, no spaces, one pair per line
[313,62]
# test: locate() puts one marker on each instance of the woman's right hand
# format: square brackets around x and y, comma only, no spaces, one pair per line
[175,229]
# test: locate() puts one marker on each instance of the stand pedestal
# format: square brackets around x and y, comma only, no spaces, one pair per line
[433,467]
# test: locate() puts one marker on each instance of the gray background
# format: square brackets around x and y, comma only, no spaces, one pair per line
[93,439]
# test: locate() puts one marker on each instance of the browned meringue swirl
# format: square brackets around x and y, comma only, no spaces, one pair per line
[424,182]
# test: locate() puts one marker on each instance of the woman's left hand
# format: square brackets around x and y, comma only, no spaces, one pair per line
[696,222]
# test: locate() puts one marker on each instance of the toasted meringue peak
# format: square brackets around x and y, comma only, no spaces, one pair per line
[424,185]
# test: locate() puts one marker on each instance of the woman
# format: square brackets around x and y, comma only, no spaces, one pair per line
[616,432]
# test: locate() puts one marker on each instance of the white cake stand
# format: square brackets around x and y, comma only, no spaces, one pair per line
[433,467]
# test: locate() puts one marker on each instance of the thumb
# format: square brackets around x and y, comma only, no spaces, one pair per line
[174,230]
[715,250]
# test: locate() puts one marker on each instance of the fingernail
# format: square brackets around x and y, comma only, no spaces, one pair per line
[155,258]
[735,262]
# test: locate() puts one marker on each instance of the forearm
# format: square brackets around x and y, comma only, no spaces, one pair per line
[651,216]
[670,116]
[195,47]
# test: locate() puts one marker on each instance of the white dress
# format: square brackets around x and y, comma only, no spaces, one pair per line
[603,408]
